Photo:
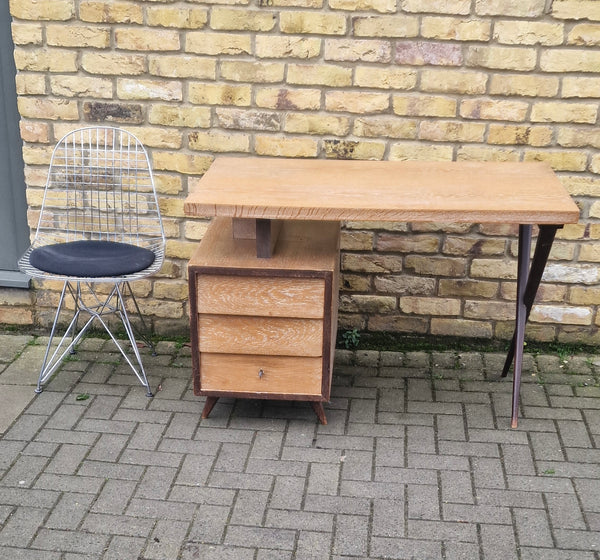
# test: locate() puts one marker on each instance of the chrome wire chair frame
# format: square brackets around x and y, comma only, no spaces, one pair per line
[100,188]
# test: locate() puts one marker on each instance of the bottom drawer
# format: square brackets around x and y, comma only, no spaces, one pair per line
[277,375]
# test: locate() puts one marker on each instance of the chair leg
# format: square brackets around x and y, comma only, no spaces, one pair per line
[51,362]
[114,303]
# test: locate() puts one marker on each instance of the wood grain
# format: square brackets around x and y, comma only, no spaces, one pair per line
[311,189]
[240,373]
[259,296]
[260,335]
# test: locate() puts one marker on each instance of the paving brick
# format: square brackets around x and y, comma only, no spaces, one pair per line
[69,511]
[498,542]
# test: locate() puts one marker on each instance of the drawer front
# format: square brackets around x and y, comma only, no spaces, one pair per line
[270,297]
[260,335]
[260,374]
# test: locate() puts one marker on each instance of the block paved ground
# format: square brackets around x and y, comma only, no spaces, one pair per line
[416,462]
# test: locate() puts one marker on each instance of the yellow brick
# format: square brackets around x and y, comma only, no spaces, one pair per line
[458,7]
[574,232]
[357,102]
[572,137]
[307,123]
[156,137]
[367,303]
[589,252]
[382,6]
[386,26]
[168,184]
[581,186]
[81,86]
[408,243]
[371,263]
[182,66]
[312,22]
[528,33]
[580,87]
[352,50]
[504,58]
[60,10]
[524,85]
[34,131]
[595,164]
[219,94]
[177,17]
[487,153]
[202,42]
[516,8]
[245,119]
[494,268]
[296,3]
[319,75]
[584,295]
[36,155]
[77,36]
[234,19]
[180,162]
[556,111]
[356,240]
[109,11]
[195,229]
[179,115]
[272,46]
[520,135]
[456,29]
[495,109]
[113,63]
[285,146]
[248,71]
[470,288]
[384,126]
[584,34]
[570,60]
[46,108]
[27,33]
[410,151]
[452,131]
[287,99]
[350,149]
[149,89]
[576,9]
[215,141]
[424,105]
[491,310]
[453,81]
[134,39]
[46,60]
[177,290]
[561,314]
[595,210]
[30,84]
[385,78]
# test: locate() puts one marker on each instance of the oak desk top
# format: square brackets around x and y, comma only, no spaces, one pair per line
[399,191]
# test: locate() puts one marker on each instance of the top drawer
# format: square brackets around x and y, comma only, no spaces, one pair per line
[258,296]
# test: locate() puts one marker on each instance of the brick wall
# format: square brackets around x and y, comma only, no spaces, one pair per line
[503,80]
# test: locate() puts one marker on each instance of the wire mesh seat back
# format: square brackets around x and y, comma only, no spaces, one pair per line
[100,187]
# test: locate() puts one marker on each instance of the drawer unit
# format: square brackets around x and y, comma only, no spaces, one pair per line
[265,328]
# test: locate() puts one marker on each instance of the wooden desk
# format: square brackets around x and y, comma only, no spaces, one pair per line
[268,189]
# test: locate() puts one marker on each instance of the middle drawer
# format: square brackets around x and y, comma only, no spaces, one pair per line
[276,336]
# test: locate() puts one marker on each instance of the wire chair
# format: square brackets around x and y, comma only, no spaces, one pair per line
[99,224]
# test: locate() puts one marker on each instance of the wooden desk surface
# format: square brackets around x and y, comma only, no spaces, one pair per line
[400,191]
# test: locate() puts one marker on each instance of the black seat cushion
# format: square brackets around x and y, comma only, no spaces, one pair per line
[91,259]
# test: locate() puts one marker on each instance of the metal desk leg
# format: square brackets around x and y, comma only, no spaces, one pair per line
[528,281]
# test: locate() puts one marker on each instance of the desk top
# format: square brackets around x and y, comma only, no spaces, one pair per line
[399,191]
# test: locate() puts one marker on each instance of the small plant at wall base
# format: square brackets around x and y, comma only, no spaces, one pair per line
[351,339]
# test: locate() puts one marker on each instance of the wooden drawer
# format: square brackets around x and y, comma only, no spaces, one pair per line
[234,373]
[260,335]
[273,297]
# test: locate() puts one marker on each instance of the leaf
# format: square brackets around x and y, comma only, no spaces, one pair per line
[82,397]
